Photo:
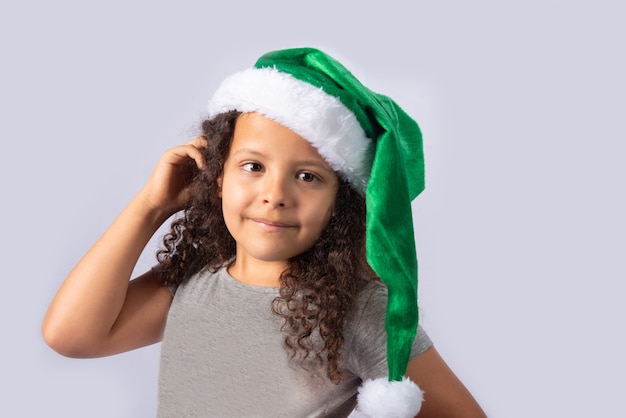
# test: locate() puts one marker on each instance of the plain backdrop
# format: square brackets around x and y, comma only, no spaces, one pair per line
[520,232]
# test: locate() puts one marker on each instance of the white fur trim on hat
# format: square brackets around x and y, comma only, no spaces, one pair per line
[309,111]
[380,398]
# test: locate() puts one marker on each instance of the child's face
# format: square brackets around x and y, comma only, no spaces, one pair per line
[277,192]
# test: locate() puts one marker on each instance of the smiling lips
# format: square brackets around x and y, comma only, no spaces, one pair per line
[271,225]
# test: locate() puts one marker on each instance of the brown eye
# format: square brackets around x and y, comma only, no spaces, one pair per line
[308,177]
[252,167]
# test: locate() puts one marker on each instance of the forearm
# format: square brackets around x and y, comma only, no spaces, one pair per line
[84,310]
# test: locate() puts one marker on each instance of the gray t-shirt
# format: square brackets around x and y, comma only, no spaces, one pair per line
[222,354]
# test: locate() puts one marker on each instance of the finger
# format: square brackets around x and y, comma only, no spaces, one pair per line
[190,150]
[198,142]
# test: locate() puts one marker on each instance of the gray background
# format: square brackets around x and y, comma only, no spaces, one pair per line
[520,232]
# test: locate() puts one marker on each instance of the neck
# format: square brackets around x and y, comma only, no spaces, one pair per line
[257,272]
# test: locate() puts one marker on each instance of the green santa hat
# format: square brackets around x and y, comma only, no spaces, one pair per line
[375,146]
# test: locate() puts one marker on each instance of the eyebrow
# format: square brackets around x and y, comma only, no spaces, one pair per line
[248,151]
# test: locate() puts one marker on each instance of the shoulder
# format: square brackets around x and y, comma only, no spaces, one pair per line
[369,311]
[365,323]
[369,305]
[197,280]
[365,336]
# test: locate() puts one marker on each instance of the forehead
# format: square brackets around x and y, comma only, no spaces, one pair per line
[257,134]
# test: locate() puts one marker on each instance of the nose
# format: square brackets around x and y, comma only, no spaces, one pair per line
[275,191]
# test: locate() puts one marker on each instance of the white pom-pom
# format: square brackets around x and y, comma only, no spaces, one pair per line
[381,398]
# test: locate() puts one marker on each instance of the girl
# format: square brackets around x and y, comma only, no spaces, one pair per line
[267,295]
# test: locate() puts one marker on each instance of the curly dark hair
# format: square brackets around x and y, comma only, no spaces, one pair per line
[318,287]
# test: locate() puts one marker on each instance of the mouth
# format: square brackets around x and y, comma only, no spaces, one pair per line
[269,224]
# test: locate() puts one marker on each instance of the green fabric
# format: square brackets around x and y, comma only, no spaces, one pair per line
[397,177]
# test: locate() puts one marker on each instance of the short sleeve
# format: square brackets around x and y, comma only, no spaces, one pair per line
[366,338]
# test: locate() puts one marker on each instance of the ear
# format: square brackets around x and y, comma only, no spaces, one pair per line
[220,180]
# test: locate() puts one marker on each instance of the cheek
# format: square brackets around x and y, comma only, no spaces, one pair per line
[229,202]
[231,211]
[236,200]
[320,217]
[234,196]
[230,191]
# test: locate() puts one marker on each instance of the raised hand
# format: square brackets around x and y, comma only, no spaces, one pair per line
[167,190]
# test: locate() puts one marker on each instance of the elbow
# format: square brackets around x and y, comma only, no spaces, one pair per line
[53,338]
[63,341]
